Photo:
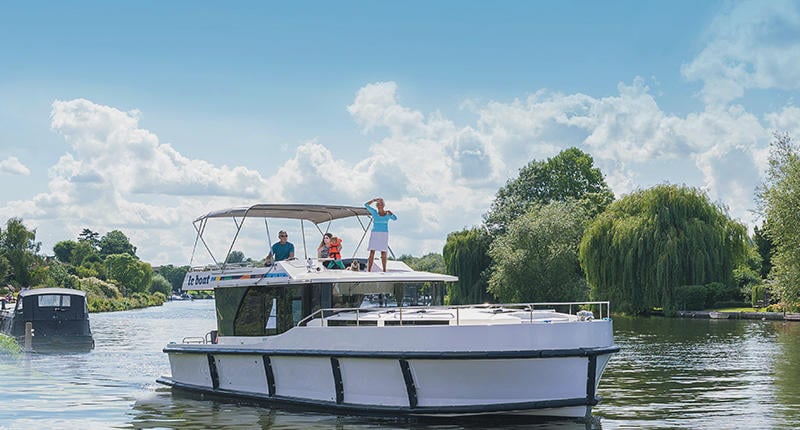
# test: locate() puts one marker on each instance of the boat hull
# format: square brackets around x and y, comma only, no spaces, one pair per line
[446,382]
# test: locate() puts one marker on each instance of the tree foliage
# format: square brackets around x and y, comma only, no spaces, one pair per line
[779,200]
[90,237]
[174,275]
[465,255]
[83,251]
[764,247]
[431,262]
[648,243]
[115,242]
[63,250]
[570,175]
[537,258]
[19,246]
[132,274]
[235,257]
[160,284]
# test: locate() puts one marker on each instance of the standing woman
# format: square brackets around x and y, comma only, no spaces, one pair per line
[379,238]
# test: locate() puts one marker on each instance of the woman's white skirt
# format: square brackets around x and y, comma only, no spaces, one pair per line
[379,241]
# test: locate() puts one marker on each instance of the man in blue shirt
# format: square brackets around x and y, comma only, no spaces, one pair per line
[282,250]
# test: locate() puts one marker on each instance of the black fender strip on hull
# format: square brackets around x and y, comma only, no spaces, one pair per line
[397,355]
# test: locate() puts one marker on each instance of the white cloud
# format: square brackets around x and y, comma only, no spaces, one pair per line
[13,166]
[438,177]
[756,44]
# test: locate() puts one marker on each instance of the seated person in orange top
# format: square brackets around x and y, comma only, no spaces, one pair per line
[335,252]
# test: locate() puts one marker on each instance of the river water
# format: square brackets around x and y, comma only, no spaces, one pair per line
[670,373]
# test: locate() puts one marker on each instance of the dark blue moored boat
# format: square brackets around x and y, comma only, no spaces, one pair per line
[59,316]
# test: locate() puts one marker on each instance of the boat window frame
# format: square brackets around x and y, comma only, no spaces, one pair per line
[64,301]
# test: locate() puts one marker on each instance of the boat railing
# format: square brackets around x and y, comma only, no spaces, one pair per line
[571,308]
[227,266]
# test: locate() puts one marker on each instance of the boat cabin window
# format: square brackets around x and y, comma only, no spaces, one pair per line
[269,310]
[54,301]
[383,295]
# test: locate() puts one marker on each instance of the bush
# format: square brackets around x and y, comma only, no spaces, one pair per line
[718,292]
[99,288]
[160,284]
[759,294]
[691,297]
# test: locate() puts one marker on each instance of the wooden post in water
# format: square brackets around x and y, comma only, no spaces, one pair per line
[28,336]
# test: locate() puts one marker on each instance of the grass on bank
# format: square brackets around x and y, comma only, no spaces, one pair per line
[9,345]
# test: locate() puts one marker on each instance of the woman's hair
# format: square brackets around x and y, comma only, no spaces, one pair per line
[328,235]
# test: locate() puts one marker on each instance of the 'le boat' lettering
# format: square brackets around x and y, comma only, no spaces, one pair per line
[199,280]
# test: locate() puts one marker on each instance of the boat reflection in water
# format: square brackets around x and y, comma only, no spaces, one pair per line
[304,333]
[59,319]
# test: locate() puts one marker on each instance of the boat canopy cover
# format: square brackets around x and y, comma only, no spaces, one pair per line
[39,291]
[314,213]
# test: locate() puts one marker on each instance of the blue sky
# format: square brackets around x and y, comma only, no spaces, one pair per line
[141,116]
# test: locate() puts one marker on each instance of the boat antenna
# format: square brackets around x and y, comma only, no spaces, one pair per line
[269,248]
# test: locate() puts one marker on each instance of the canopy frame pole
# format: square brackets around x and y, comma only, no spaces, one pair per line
[303,233]
[202,239]
[239,226]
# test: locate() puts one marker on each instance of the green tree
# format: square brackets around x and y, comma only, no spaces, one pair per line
[63,250]
[764,246]
[569,175]
[132,274]
[235,257]
[5,269]
[160,284]
[779,200]
[431,262]
[83,251]
[537,258]
[19,246]
[466,255]
[174,275]
[650,242]
[115,242]
[90,237]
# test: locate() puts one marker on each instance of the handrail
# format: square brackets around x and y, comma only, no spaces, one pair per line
[530,307]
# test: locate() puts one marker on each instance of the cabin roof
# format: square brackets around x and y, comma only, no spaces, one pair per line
[42,291]
[314,213]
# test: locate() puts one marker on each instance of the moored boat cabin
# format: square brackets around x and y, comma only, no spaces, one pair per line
[59,318]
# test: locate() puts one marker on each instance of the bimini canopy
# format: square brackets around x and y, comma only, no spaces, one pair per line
[314,213]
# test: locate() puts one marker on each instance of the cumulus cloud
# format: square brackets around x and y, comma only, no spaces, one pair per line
[13,166]
[437,176]
[754,45]
[109,148]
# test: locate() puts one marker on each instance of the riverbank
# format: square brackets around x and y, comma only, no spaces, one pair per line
[773,316]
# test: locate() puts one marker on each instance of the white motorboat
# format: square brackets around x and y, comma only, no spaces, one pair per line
[298,332]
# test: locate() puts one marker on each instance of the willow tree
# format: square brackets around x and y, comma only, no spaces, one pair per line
[465,255]
[648,243]
[779,200]
[536,260]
